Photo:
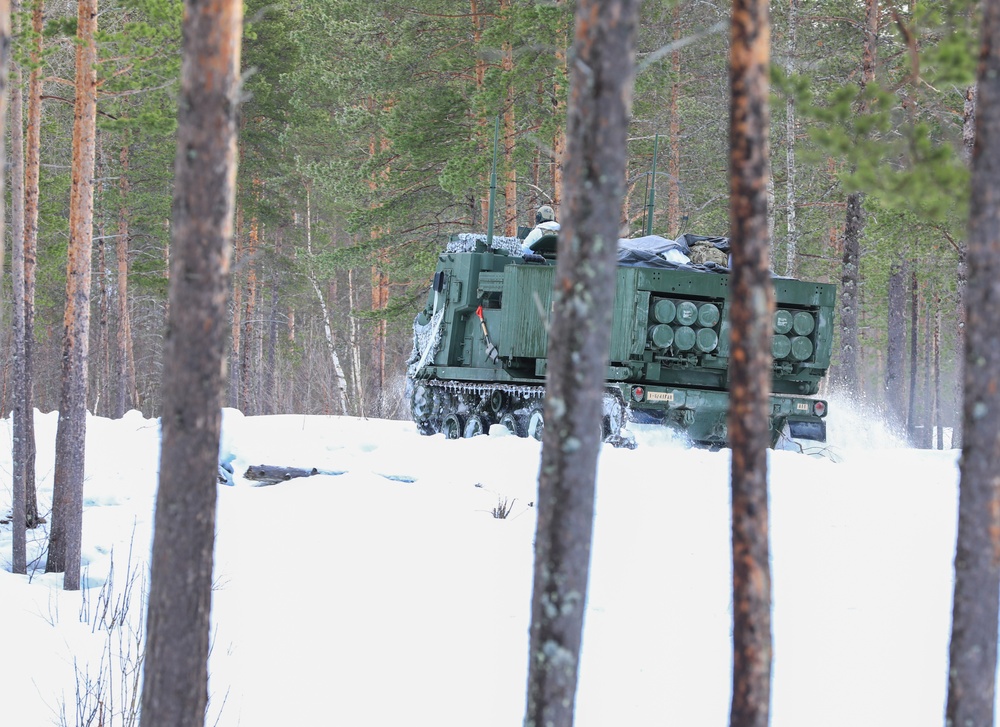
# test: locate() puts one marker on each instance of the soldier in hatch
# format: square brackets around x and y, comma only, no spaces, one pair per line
[545,223]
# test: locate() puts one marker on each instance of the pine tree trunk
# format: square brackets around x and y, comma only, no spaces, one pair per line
[249,311]
[927,440]
[175,687]
[100,379]
[751,317]
[911,418]
[598,115]
[674,167]
[938,431]
[31,171]
[960,287]
[968,140]
[973,651]
[849,281]
[269,396]
[65,537]
[559,138]
[509,135]
[237,312]
[22,382]
[895,354]
[380,301]
[854,228]
[125,382]
[792,243]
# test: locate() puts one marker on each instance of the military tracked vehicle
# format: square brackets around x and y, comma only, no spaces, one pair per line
[480,345]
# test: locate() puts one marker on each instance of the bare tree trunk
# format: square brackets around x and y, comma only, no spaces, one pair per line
[938,431]
[911,417]
[792,243]
[969,123]
[175,687]
[270,396]
[100,379]
[598,115]
[854,228]
[927,413]
[751,317]
[30,244]
[963,275]
[5,62]
[895,354]
[65,537]
[509,135]
[338,371]
[674,166]
[769,230]
[968,140]
[973,653]
[125,383]
[354,342]
[22,380]
[249,310]
[559,139]
[849,301]
[380,301]
[237,310]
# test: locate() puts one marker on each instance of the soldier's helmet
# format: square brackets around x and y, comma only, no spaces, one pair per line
[544,214]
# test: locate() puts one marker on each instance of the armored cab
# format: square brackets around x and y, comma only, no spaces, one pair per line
[480,344]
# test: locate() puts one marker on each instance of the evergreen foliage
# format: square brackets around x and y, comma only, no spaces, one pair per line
[376,120]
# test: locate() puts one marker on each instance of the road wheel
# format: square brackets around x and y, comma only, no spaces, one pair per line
[452,427]
[515,424]
[475,426]
[536,423]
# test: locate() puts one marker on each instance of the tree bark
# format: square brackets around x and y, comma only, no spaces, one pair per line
[973,650]
[269,398]
[246,399]
[751,315]
[674,166]
[938,430]
[100,375]
[849,300]
[895,354]
[30,244]
[911,416]
[21,412]
[65,537]
[509,134]
[927,436]
[594,173]
[792,242]
[854,228]
[175,687]
[125,384]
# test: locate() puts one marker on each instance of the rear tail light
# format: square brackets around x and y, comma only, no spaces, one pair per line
[638,393]
[819,408]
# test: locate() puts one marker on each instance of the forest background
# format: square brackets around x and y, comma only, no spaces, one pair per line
[366,138]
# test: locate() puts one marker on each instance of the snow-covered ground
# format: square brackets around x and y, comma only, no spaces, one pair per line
[389,594]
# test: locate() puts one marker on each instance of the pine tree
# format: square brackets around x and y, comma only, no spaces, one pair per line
[175,684]
[598,114]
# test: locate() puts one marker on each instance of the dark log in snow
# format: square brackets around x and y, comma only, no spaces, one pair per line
[267,474]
